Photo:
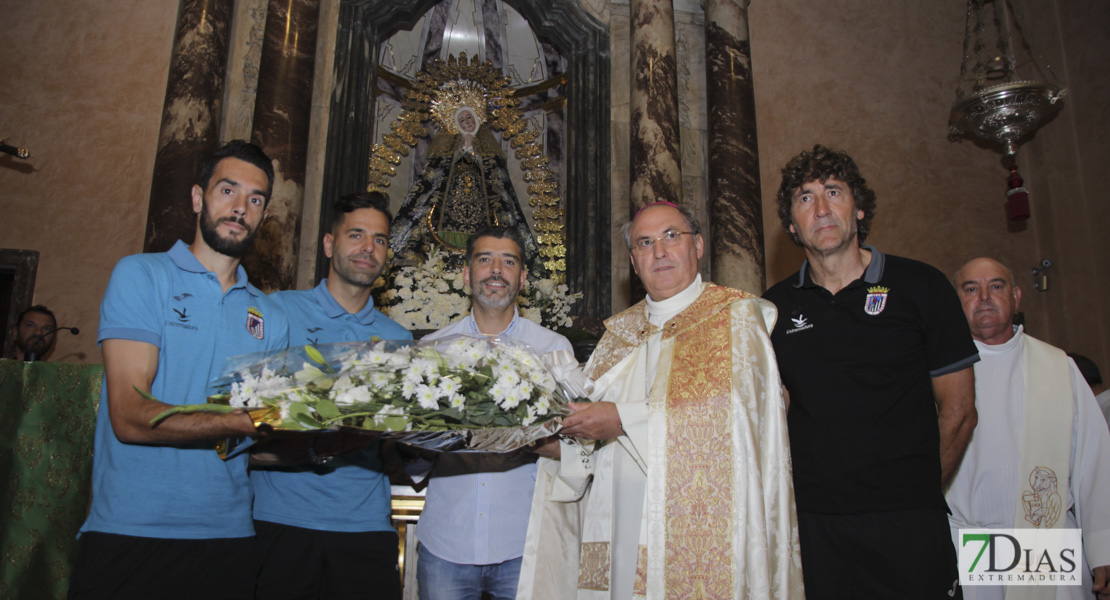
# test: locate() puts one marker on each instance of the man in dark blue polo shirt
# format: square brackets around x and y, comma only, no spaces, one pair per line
[875,355]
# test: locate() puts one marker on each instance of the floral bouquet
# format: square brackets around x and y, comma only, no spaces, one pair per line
[491,395]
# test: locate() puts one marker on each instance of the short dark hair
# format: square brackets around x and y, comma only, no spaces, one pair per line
[1088,368]
[819,165]
[496,231]
[349,203]
[686,212]
[244,151]
[39,308]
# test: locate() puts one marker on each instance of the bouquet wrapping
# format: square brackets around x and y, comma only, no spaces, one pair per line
[459,392]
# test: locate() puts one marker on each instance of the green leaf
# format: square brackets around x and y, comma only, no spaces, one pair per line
[395,423]
[327,410]
[481,419]
[299,412]
[453,413]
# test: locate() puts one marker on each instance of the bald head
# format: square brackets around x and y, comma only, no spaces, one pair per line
[990,299]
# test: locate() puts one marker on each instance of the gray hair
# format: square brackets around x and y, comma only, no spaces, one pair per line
[685,211]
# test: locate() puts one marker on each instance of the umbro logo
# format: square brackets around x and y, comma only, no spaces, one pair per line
[800,324]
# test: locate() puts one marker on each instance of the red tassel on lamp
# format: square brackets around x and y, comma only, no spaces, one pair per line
[1017,197]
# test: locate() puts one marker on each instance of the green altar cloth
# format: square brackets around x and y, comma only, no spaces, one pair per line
[47,420]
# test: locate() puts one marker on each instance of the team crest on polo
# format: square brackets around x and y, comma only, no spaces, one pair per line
[255,324]
[876,300]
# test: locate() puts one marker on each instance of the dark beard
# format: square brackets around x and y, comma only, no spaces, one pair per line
[38,344]
[232,248]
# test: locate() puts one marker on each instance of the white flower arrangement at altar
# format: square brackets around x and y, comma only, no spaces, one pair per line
[451,384]
[432,295]
[425,296]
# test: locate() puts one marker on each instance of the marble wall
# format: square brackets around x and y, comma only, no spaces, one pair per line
[876,80]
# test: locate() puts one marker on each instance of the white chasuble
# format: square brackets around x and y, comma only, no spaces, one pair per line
[717,511]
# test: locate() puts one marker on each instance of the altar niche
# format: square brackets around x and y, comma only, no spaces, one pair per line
[582,102]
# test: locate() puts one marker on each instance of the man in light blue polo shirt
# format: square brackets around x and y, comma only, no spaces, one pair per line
[475,515]
[169,518]
[324,529]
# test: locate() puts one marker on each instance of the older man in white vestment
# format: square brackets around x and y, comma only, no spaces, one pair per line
[1038,422]
[691,492]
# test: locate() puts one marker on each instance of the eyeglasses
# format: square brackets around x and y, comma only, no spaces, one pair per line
[669,239]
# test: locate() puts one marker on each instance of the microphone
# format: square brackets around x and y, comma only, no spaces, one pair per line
[16,152]
[33,355]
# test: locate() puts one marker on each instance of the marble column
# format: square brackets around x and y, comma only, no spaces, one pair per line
[282,111]
[190,119]
[656,174]
[735,203]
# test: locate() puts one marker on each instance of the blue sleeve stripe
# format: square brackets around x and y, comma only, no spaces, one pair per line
[127,333]
[956,366]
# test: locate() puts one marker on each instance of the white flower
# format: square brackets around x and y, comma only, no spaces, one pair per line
[404,292]
[310,375]
[399,359]
[537,376]
[506,375]
[532,314]
[541,406]
[376,357]
[512,398]
[342,384]
[530,418]
[457,400]
[351,396]
[499,392]
[426,397]
[389,410]
[448,386]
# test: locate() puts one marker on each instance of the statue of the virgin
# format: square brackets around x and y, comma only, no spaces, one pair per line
[464,186]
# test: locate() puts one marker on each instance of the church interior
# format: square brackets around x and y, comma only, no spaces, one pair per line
[96,107]
[616,104]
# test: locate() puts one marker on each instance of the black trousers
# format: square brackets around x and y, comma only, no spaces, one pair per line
[897,555]
[307,564]
[122,567]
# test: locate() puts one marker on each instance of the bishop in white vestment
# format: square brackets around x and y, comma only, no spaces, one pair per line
[690,491]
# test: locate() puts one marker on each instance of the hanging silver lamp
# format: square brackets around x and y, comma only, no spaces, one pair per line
[993,102]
